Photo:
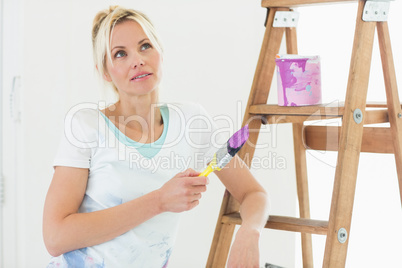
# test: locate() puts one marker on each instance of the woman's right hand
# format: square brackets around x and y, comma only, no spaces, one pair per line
[182,192]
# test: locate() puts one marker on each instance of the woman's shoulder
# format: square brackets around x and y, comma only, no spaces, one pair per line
[87,111]
[82,117]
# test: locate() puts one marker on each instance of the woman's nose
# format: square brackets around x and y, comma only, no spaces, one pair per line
[136,62]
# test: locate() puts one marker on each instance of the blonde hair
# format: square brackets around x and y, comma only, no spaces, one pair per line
[102,30]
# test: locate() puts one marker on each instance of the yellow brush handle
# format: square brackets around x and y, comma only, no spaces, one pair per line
[211,167]
[207,171]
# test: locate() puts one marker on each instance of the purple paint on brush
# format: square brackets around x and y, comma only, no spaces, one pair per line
[239,137]
[237,140]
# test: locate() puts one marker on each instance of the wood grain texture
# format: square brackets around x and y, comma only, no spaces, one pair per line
[215,253]
[350,142]
[297,3]
[300,167]
[371,117]
[393,101]
[285,223]
[302,191]
[223,246]
[312,110]
[322,138]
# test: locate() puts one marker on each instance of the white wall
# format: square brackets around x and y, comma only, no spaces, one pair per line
[211,53]
[12,135]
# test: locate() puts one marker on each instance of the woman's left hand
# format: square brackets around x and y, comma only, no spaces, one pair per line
[245,250]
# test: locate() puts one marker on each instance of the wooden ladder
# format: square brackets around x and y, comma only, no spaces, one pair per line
[349,140]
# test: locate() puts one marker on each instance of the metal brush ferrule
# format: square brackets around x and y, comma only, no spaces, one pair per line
[224,161]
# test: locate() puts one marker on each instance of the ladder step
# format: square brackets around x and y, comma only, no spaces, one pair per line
[295,3]
[329,109]
[285,223]
[274,114]
[323,138]
[311,110]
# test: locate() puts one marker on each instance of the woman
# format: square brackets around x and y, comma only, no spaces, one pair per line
[112,202]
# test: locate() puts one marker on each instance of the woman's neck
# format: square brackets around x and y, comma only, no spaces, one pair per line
[137,112]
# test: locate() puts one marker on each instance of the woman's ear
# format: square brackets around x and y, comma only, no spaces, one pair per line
[107,77]
[104,75]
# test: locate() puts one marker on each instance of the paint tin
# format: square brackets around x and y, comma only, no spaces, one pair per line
[299,80]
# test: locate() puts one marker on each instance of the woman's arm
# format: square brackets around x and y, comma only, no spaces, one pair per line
[254,211]
[64,229]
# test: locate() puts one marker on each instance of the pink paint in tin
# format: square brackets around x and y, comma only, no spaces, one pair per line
[299,80]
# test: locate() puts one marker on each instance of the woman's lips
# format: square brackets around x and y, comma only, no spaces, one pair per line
[141,76]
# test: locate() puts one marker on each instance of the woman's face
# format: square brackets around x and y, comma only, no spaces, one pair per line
[136,68]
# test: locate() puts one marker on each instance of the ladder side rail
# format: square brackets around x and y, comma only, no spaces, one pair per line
[300,166]
[349,144]
[393,102]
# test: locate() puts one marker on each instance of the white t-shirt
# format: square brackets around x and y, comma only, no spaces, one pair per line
[119,171]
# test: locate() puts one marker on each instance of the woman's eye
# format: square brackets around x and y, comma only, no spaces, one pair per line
[120,54]
[145,46]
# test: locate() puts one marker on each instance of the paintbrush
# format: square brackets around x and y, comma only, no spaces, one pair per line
[227,151]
